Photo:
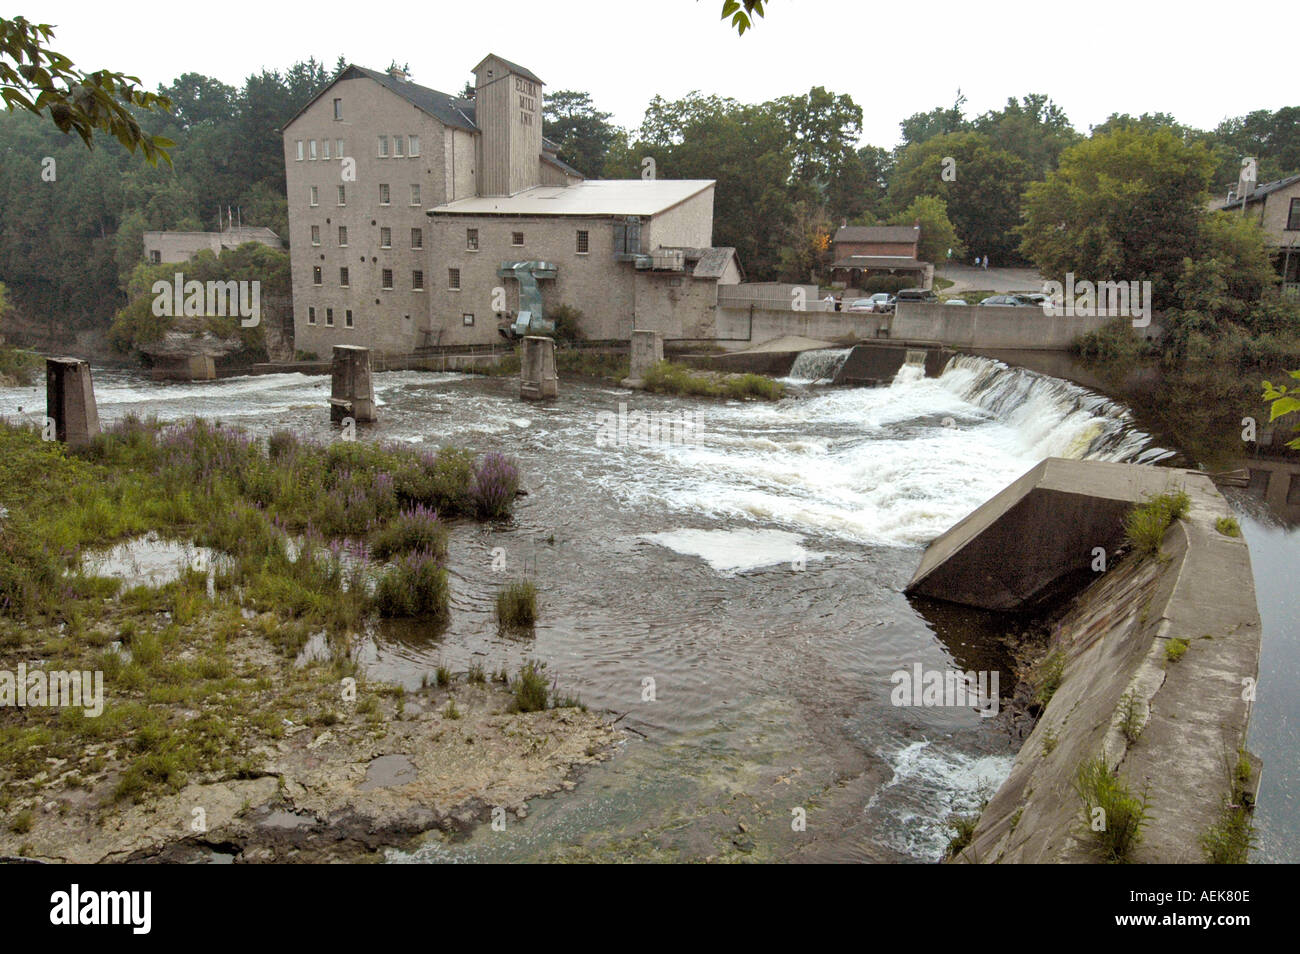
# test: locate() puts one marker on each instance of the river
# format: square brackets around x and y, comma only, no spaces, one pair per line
[735,596]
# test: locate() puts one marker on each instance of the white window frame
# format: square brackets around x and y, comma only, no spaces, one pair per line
[415,194]
[417,285]
[383,147]
[386,279]
[397,148]
[315,235]
[311,150]
[385,194]
[314,196]
[417,233]
[413,146]
[385,236]
[300,150]
[343,195]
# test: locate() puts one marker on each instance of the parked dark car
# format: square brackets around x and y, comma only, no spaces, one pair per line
[1014,301]
[916,294]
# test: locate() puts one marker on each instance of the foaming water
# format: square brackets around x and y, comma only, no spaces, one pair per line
[820,365]
[753,573]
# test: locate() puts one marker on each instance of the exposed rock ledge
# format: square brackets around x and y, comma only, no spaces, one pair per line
[345,792]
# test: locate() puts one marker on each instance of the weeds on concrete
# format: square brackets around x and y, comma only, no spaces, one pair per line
[1146,524]
[1230,841]
[1228,526]
[1175,648]
[1131,722]
[1114,816]
[1047,675]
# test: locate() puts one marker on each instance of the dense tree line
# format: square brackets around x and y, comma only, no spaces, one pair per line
[789,171]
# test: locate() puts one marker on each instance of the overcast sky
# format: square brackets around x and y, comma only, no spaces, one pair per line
[893,58]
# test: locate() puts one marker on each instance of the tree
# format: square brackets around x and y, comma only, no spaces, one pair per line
[939,121]
[980,184]
[1125,206]
[46,83]
[807,250]
[1032,128]
[937,232]
[583,133]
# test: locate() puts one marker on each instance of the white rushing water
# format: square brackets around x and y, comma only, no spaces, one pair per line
[895,465]
[821,365]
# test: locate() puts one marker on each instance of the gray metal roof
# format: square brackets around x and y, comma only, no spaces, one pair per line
[878,233]
[590,197]
[879,261]
[560,164]
[710,262]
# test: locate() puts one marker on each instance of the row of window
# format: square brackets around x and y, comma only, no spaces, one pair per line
[582,241]
[329,317]
[386,278]
[402,147]
[385,194]
[466,318]
[385,237]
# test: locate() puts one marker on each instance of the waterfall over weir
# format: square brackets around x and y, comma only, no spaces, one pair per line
[1059,418]
[820,365]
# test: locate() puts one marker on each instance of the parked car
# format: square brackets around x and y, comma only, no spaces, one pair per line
[861,304]
[955,301]
[1014,301]
[925,295]
[883,302]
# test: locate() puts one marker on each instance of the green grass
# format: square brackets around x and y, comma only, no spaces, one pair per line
[1047,676]
[516,605]
[1175,648]
[1228,526]
[529,688]
[669,378]
[1114,817]
[1131,722]
[1146,524]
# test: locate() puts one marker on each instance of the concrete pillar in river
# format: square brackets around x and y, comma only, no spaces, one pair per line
[70,400]
[352,389]
[537,377]
[647,351]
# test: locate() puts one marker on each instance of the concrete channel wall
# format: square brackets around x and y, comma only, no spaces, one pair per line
[1193,713]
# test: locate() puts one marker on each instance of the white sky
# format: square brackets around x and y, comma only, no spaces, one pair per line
[893,58]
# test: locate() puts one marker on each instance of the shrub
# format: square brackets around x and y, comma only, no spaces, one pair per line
[529,688]
[568,323]
[495,483]
[1117,830]
[1047,676]
[415,587]
[1146,524]
[517,604]
[1174,649]
[414,529]
[1228,526]
[887,283]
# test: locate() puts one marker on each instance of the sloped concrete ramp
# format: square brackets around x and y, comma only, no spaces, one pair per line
[1036,540]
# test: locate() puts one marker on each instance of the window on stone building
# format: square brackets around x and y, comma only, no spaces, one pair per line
[347,318]
[299,145]
[471,240]
[343,236]
[338,109]
[453,279]
[583,242]
[324,148]
[311,315]
[383,193]
[388,279]
[329,317]
[311,149]
[1293,216]
[516,238]
[417,280]
[343,276]
[467,319]
[155,256]
[338,148]
[383,147]
[385,237]
[343,196]
[417,238]
[315,233]
[415,193]
[315,195]
[315,275]
[413,146]
[398,142]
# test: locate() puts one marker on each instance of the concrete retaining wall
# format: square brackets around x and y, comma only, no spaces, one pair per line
[1193,713]
[976,326]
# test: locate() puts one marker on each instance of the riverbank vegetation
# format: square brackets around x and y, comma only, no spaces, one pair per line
[666,377]
[198,671]
[1146,523]
[1123,814]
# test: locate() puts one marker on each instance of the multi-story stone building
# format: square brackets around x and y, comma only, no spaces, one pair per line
[181,246]
[415,217]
